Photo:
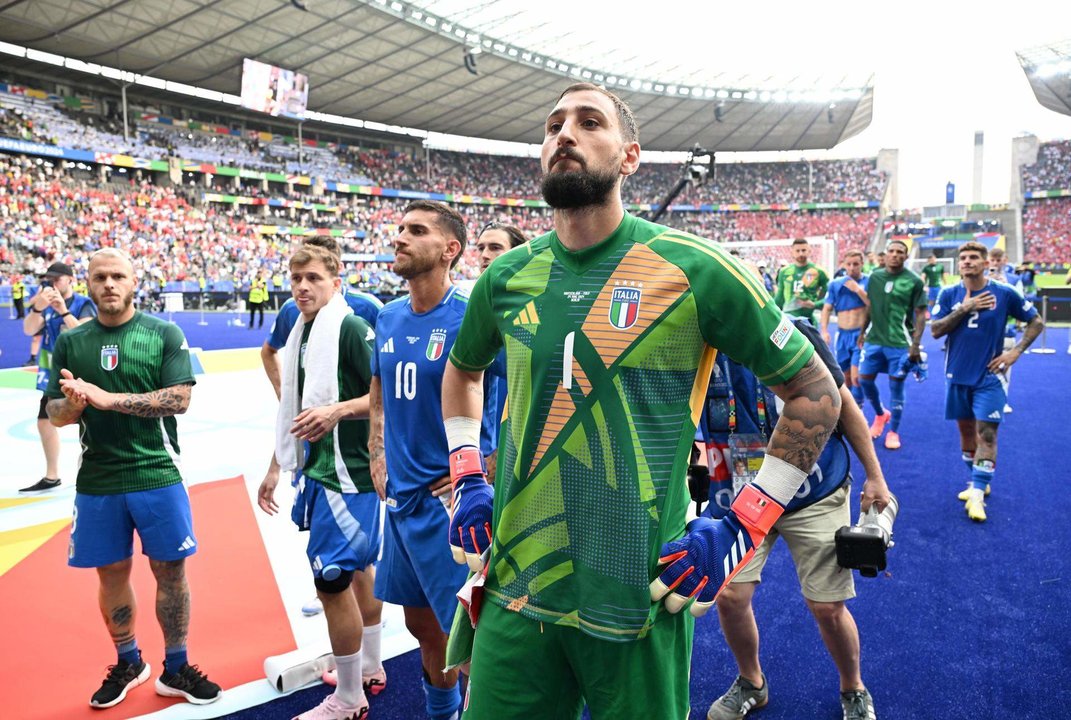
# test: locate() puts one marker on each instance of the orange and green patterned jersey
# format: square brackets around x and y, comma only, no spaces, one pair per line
[608,355]
[795,283]
[124,453]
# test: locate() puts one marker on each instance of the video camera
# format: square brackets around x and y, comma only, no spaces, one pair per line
[863,546]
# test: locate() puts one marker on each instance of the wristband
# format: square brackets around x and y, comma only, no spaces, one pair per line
[465,461]
[33,309]
[66,314]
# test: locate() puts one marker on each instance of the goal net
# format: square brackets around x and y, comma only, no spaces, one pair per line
[775,254]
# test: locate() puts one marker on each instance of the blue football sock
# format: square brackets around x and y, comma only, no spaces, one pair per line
[982,473]
[857,393]
[896,402]
[968,460]
[174,659]
[129,651]
[870,389]
[441,703]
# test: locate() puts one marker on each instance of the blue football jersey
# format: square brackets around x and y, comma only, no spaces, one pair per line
[980,336]
[78,305]
[841,298]
[411,355]
[364,306]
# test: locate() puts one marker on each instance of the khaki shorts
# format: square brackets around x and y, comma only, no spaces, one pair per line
[809,533]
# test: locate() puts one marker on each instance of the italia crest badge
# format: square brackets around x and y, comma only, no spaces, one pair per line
[436,343]
[624,307]
[109,357]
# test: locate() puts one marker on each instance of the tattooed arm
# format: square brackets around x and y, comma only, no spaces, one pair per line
[377,457]
[811,412]
[164,402]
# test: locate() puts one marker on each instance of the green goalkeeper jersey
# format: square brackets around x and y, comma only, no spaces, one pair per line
[795,283]
[893,299]
[339,460]
[608,355]
[125,453]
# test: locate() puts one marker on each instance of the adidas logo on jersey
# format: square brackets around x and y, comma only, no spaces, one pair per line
[995,415]
[387,347]
[187,544]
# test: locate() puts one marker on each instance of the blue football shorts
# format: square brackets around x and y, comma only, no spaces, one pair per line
[102,531]
[847,348]
[880,359]
[343,527]
[418,569]
[984,401]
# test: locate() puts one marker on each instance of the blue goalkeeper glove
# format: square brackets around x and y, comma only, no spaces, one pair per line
[711,552]
[470,508]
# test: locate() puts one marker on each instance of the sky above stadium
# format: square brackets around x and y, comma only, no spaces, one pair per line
[943,69]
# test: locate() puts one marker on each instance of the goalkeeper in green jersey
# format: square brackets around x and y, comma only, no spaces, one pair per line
[802,285]
[610,325]
[123,377]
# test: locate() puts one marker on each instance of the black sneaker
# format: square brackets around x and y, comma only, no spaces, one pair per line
[122,677]
[190,683]
[42,485]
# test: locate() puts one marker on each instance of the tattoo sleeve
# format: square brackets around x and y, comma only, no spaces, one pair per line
[940,328]
[375,417]
[812,409]
[164,402]
[1030,334]
[60,412]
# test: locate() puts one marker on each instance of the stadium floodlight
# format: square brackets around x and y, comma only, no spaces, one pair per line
[150,81]
[9,49]
[44,57]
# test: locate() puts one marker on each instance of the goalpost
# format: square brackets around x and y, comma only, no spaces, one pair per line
[916,264]
[775,254]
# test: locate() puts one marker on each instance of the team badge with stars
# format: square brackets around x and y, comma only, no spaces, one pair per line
[624,307]
[109,357]
[436,343]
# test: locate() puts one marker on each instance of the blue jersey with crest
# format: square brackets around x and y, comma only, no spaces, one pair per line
[364,306]
[411,354]
[979,337]
[841,298]
[78,305]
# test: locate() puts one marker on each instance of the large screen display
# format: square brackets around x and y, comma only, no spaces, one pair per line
[273,90]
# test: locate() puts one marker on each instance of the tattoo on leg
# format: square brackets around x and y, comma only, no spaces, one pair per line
[172,601]
[122,615]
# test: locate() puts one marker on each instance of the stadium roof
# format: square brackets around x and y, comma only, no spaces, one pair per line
[400,64]
[1048,69]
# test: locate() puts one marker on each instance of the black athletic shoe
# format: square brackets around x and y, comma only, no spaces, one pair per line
[42,485]
[122,677]
[190,683]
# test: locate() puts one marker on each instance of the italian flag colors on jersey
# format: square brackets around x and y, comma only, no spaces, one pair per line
[125,453]
[608,355]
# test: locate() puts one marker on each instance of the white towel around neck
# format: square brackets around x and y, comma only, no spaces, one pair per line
[321,378]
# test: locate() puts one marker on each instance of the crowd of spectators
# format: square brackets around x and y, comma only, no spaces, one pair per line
[1047,230]
[1052,171]
[449,171]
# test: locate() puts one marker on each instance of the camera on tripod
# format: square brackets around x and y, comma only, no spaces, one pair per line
[863,546]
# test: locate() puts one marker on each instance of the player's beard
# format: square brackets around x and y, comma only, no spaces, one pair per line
[413,265]
[578,188]
[103,309]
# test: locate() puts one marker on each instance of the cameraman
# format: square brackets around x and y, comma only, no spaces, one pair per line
[55,308]
[740,413]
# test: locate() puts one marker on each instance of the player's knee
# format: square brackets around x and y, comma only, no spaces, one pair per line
[734,598]
[116,572]
[827,613]
[334,580]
